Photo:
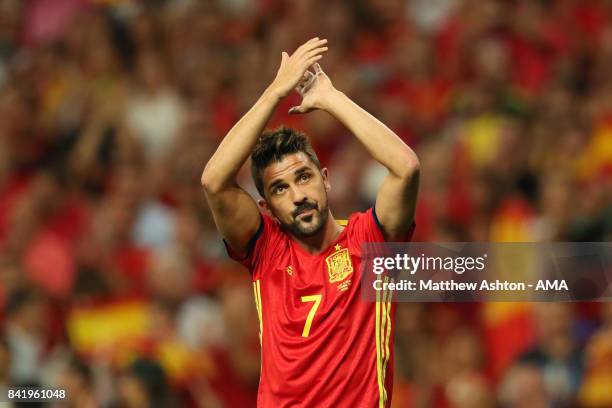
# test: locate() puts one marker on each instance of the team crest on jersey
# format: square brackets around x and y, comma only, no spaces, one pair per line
[339,264]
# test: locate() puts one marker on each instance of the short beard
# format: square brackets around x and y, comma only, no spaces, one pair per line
[296,228]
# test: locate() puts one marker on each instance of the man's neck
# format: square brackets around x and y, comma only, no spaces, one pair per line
[323,239]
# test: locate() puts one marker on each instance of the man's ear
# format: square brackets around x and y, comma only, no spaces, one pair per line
[264,206]
[325,175]
[266,209]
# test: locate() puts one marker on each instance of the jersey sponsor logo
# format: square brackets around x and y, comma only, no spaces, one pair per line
[339,264]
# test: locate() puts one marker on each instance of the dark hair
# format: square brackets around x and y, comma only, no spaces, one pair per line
[273,145]
[153,380]
[19,298]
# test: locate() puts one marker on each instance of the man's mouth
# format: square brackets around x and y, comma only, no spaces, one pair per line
[306,215]
[304,209]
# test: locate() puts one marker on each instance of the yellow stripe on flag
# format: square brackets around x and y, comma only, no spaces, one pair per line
[114,324]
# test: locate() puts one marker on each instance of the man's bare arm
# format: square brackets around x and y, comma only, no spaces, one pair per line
[234,211]
[396,198]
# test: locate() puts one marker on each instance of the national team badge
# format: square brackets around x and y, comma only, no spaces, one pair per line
[339,264]
[289,270]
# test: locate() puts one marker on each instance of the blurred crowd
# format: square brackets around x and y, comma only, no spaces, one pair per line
[114,283]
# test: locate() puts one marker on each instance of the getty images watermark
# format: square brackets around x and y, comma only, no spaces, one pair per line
[423,272]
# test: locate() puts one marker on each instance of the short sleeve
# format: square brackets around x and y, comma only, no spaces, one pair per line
[368,228]
[258,245]
[407,237]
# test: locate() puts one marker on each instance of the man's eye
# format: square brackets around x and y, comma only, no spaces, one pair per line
[304,177]
[279,189]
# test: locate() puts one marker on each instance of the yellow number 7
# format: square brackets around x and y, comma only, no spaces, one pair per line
[317,301]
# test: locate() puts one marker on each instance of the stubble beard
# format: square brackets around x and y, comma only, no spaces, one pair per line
[311,225]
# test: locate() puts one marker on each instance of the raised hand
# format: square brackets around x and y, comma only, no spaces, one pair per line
[292,68]
[316,90]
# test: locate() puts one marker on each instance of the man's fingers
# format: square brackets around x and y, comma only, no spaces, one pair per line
[306,82]
[316,51]
[317,68]
[308,77]
[311,61]
[300,109]
[309,45]
[297,109]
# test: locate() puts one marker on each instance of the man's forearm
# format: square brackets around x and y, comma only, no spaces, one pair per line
[237,145]
[382,143]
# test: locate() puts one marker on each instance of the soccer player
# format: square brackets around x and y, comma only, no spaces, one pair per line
[322,344]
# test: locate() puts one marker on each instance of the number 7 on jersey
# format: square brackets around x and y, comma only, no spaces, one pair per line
[317,301]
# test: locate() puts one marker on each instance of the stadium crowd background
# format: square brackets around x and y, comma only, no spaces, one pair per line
[113,281]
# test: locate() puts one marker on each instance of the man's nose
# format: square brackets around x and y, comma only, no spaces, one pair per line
[297,195]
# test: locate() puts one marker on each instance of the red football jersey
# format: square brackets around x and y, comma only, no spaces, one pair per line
[322,344]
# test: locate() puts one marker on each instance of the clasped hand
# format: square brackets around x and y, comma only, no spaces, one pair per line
[294,72]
